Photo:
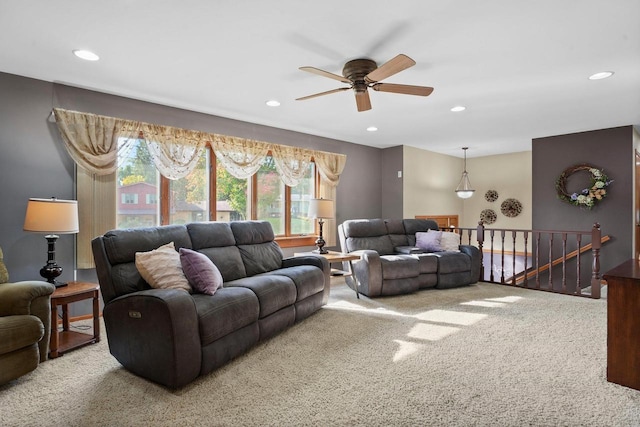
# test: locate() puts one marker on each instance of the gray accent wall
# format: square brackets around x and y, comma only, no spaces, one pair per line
[392,185]
[608,149]
[34,162]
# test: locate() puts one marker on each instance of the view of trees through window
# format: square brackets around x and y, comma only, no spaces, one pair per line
[140,202]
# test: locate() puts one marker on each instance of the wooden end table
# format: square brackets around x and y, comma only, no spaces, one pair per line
[65,340]
[333,256]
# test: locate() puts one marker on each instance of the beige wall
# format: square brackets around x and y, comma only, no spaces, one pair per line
[509,175]
[431,178]
[429,182]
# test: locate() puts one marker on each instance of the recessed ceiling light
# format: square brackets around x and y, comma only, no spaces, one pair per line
[458,108]
[86,55]
[273,103]
[601,75]
[372,129]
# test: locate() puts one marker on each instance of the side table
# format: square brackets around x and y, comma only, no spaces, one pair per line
[65,340]
[333,256]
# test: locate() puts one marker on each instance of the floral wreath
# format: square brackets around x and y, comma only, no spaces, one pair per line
[589,196]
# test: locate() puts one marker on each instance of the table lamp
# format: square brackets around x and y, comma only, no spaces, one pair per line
[51,217]
[321,209]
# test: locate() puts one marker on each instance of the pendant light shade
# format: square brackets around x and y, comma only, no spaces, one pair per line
[464,189]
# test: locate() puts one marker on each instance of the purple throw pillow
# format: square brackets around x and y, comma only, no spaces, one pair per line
[429,241]
[200,271]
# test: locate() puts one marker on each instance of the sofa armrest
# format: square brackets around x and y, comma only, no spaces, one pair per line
[154,333]
[29,297]
[318,261]
[476,261]
[17,297]
[368,272]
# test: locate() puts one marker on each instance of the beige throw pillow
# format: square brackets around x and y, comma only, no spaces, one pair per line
[161,268]
[450,241]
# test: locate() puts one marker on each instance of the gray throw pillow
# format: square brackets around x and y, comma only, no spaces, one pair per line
[202,274]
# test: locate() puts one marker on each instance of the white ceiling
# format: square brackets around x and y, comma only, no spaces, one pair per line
[520,67]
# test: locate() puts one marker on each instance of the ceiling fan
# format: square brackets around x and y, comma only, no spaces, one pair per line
[362,74]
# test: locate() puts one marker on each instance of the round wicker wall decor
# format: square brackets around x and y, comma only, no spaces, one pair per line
[511,208]
[488,216]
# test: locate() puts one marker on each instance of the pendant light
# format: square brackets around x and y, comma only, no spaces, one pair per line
[464,190]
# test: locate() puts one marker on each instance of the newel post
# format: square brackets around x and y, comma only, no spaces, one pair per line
[596,243]
[480,238]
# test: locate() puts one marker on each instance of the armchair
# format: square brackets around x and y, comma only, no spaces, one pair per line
[25,327]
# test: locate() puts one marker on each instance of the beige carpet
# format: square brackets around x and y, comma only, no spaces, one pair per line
[484,355]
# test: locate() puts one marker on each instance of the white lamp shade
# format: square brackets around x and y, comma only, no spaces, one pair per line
[52,216]
[320,208]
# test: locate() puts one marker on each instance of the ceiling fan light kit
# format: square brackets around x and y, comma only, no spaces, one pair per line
[362,74]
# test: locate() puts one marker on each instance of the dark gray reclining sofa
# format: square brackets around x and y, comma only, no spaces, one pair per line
[390,264]
[171,336]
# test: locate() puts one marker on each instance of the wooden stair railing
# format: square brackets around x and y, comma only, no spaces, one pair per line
[520,277]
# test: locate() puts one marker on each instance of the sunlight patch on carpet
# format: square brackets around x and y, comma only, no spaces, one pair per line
[345,305]
[428,332]
[504,299]
[452,317]
[483,303]
[406,349]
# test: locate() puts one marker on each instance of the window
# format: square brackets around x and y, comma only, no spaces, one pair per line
[210,192]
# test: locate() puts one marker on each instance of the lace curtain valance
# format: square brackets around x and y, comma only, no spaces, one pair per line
[92,142]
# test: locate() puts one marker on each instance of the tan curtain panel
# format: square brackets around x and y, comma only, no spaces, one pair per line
[92,142]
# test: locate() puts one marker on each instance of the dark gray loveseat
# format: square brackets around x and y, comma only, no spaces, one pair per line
[390,264]
[170,336]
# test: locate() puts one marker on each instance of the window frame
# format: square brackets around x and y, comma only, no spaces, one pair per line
[287,240]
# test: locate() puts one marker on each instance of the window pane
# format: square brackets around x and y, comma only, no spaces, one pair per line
[270,196]
[189,196]
[138,182]
[231,197]
[300,195]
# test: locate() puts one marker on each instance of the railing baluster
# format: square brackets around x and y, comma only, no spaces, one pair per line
[564,263]
[579,245]
[596,242]
[491,233]
[538,260]
[513,261]
[480,239]
[526,259]
[550,261]
[502,235]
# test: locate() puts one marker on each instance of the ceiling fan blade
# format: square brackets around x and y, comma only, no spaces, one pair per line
[405,89]
[363,102]
[389,68]
[323,73]
[323,93]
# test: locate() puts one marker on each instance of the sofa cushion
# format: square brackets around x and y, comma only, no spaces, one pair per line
[429,241]
[228,261]
[122,245]
[453,262]
[202,274]
[395,229]
[362,234]
[227,311]
[210,235]
[399,266]
[413,225]
[309,280]
[273,291]
[161,268]
[408,250]
[428,263]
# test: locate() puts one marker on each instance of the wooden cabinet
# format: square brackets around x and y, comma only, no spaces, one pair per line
[623,324]
[444,221]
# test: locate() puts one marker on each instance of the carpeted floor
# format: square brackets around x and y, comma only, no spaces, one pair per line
[482,355]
